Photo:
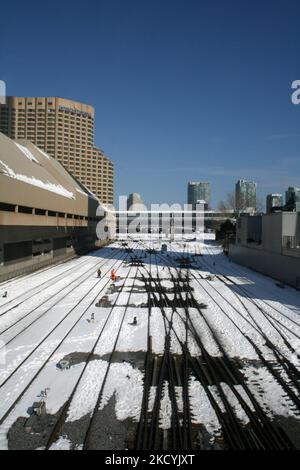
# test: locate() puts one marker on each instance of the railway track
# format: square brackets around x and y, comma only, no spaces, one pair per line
[57,429]
[168,376]
[287,366]
[275,323]
[241,273]
[16,400]
[22,277]
[44,285]
[62,293]
[251,440]
[149,435]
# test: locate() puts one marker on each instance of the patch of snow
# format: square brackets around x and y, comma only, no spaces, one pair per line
[54,188]
[123,380]
[126,383]
[27,153]
[62,443]
[269,393]
[165,412]
[81,192]
[44,153]
[235,403]
[201,408]
[151,398]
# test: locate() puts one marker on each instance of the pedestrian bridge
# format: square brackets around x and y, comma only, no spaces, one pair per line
[164,221]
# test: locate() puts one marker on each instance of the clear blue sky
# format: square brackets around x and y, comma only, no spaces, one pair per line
[183,90]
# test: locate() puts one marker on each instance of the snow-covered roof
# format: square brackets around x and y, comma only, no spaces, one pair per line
[28,176]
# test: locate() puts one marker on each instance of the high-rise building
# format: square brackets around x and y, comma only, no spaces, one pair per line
[64,129]
[197,191]
[245,196]
[292,199]
[134,202]
[273,200]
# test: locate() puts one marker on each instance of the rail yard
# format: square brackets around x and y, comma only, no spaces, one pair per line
[181,349]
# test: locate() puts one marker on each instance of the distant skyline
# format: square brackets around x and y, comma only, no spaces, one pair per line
[183,91]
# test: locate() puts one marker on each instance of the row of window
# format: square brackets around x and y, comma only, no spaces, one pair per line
[42,112]
[29,210]
[32,124]
[22,112]
[30,103]
[31,121]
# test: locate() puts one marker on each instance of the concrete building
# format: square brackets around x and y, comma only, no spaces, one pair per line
[273,200]
[245,196]
[292,199]
[135,202]
[269,244]
[199,190]
[65,130]
[45,214]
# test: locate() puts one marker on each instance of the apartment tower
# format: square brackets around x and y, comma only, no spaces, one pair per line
[245,196]
[273,200]
[64,129]
[199,191]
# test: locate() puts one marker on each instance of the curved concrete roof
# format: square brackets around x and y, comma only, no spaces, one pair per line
[30,177]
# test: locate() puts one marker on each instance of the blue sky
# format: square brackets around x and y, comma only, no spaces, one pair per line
[183,90]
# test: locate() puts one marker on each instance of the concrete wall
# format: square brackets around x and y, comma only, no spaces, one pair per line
[32,264]
[272,232]
[254,228]
[277,266]
[291,224]
[16,260]
[248,227]
[17,219]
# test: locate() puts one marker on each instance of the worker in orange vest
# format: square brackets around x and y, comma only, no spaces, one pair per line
[113,275]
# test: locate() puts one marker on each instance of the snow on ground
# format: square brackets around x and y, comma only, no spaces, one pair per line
[269,393]
[62,443]
[165,413]
[125,382]
[157,330]
[53,314]
[234,343]
[25,286]
[235,403]
[126,298]
[129,283]
[205,334]
[258,285]
[134,337]
[41,302]
[201,408]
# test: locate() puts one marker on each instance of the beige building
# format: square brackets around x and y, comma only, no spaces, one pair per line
[46,215]
[63,129]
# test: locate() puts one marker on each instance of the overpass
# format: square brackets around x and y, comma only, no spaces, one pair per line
[168,221]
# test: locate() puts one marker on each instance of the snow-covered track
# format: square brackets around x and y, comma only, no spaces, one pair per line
[6,383]
[50,282]
[236,436]
[61,293]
